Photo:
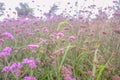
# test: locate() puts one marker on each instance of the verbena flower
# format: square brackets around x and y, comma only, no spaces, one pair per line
[117,31]
[53,35]
[45,29]
[14,68]
[5,52]
[71,37]
[6,69]
[17,72]
[31,46]
[67,73]
[15,65]
[60,34]
[1,40]
[68,77]
[66,28]
[7,35]
[7,49]
[29,78]
[31,63]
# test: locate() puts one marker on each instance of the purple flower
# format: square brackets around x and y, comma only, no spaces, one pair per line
[5,52]
[68,77]
[117,31]
[45,29]
[29,62]
[66,28]
[71,37]
[31,46]
[25,61]
[29,78]
[15,65]
[1,40]
[6,69]
[42,40]
[15,68]
[60,34]
[7,49]
[17,72]
[7,35]
[53,35]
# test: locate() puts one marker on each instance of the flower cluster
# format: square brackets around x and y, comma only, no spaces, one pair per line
[5,52]
[31,63]
[29,78]
[71,37]
[117,31]
[67,73]
[45,29]
[6,69]
[60,34]
[7,35]
[1,40]
[14,68]
[15,65]
[31,46]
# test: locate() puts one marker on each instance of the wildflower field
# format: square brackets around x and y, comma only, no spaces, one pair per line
[59,49]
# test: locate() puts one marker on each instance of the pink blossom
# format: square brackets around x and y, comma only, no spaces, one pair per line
[117,31]
[29,78]
[17,72]
[37,30]
[31,63]
[6,69]
[65,71]
[60,34]
[31,46]
[66,28]
[45,29]
[7,49]
[7,35]
[5,52]
[71,37]
[42,40]
[1,40]
[68,77]
[104,32]
[53,35]
[81,31]
[15,65]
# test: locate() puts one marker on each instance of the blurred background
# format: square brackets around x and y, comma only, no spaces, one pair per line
[48,8]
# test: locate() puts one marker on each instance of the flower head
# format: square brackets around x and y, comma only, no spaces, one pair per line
[31,46]
[29,78]
[31,63]
[6,69]
[5,52]
[15,65]
[117,31]
[45,29]
[71,37]
[7,35]
[60,34]
[68,77]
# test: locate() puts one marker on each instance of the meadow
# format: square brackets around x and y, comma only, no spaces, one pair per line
[60,49]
